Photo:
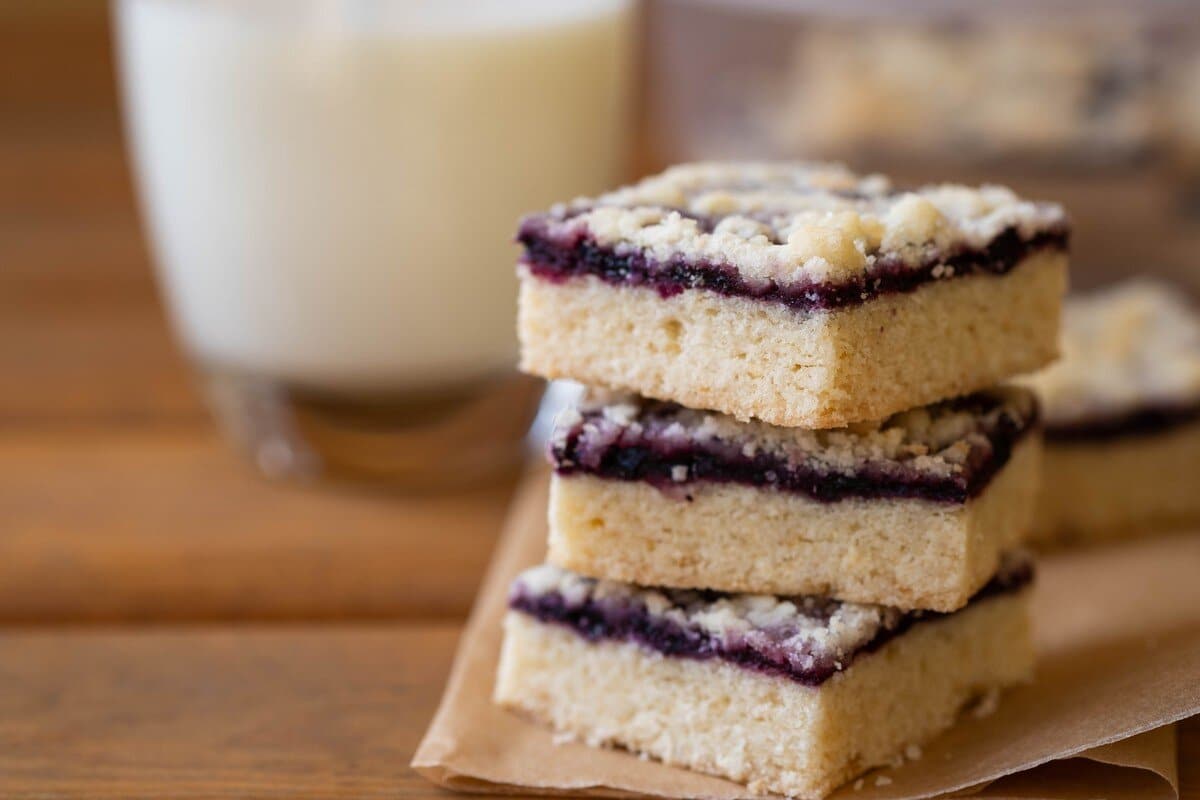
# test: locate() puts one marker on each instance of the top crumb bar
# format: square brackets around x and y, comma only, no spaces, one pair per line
[801,295]
[810,235]
[1130,363]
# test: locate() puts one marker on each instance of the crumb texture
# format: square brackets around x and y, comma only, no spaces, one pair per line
[946,445]
[807,639]
[1130,347]
[773,735]
[794,223]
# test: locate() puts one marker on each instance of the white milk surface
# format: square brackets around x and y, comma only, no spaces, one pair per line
[332,188]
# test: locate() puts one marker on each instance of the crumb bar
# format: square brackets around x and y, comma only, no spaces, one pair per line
[1122,414]
[787,695]
[912,512]
[800,295]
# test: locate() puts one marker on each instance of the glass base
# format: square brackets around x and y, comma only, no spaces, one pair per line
[439,438]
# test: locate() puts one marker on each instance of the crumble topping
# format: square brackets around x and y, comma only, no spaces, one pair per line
[796,223]
[937,440]
[808,630]
[1132,346]
[808,638]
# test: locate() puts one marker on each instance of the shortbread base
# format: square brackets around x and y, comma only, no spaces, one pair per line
[770,733]
[1118,488]
[907,553]
[764,360]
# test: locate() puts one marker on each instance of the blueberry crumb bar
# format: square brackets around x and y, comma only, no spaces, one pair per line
[913,512]
[801,295]
[793,695]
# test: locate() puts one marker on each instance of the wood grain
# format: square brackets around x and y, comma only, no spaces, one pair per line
[307,713]
[82,338]
[246,712]
[169,524]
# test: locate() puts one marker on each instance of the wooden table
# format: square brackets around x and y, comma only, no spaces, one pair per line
[170,624]
[218,711]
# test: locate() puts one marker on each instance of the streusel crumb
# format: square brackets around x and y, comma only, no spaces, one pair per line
[797,222]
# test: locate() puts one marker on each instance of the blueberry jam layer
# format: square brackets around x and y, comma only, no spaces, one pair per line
[558,258]
[804,639]
[657,448]
[1140,422]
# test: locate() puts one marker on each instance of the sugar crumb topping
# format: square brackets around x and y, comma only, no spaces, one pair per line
[795,222]
[799,635]
[1132,345]
[808,629]
[937,440]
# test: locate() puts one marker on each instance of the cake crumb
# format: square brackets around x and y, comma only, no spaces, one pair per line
[913,752]
[940,439]
[986,705]
[883,780]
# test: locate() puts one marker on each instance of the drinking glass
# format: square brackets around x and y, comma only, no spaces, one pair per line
[331,188]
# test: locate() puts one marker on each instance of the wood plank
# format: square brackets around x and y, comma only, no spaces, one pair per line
[93,352]
[298,713]
[170,524]
[82,336]
[247,712]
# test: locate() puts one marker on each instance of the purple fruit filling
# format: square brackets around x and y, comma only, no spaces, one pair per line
[558,257]
[766,650]
[1149,420]
[656,454]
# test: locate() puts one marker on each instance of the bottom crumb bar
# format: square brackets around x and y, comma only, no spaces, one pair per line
[788,695]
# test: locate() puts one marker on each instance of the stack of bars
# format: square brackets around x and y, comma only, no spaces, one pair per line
[784,521]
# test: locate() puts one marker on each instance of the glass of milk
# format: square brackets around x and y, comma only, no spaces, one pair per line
[331,188]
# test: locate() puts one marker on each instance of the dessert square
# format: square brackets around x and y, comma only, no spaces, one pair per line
[801,295]
[1122,411]
[912,512]
[788,695]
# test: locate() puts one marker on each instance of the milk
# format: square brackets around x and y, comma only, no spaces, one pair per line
[332,187]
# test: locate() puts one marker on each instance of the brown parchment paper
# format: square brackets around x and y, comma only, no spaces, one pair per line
[1118,637]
